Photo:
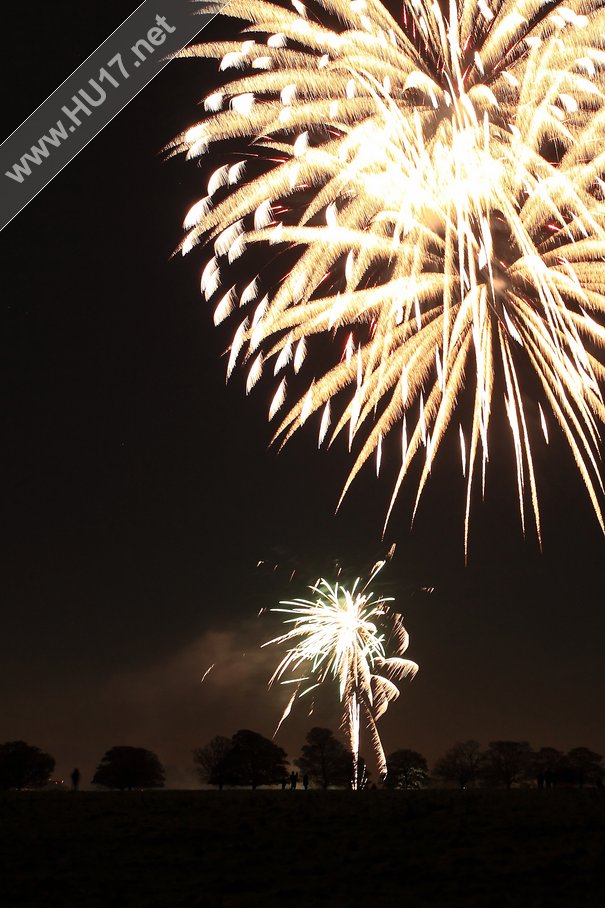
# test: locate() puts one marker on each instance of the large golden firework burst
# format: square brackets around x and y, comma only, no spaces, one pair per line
[440,183]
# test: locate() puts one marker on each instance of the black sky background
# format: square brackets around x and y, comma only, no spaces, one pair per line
[139,490]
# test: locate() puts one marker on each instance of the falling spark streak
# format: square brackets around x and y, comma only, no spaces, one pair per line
[286,712]
[543,423]
[463,451]
[207,672]
[446,174]
[342,634]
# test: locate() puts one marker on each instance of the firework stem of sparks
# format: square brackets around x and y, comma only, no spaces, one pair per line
[342,635]
[435,189]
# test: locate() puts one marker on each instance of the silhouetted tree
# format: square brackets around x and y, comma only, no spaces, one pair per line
[128,768]
[506,762]
[585,767]
[23,766]
[211,761]
[547,766]
[461,764]
[406,769]
[324,759]
[254,760]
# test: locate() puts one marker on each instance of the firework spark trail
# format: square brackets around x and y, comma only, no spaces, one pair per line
[207,672]
[442,183]
[342,634]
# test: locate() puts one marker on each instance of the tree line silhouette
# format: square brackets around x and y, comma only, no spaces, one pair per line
[248,759]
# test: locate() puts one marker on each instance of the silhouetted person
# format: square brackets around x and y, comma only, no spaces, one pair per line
[541,780]
[75,779]
[293,780]
[284,782]
[305,781]
[550,779]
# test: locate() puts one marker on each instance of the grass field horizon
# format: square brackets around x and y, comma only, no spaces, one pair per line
[211,849]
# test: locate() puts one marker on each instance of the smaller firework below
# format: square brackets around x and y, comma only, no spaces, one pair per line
[343,633]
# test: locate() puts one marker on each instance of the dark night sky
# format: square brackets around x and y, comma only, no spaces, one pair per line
[139,490]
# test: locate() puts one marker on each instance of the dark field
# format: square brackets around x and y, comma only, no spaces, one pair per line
[205,849]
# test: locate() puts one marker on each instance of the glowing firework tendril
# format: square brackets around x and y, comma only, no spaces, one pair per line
[342,633]
[441,182]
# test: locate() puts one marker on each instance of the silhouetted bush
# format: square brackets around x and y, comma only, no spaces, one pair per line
[406,769]
[246,759]
[506,762]
[128,768]
[325,759]
[23,766]
[211,761]
[585,767]
[461,764]
[547,767]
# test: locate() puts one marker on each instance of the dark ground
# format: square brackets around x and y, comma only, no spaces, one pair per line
[269,848]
